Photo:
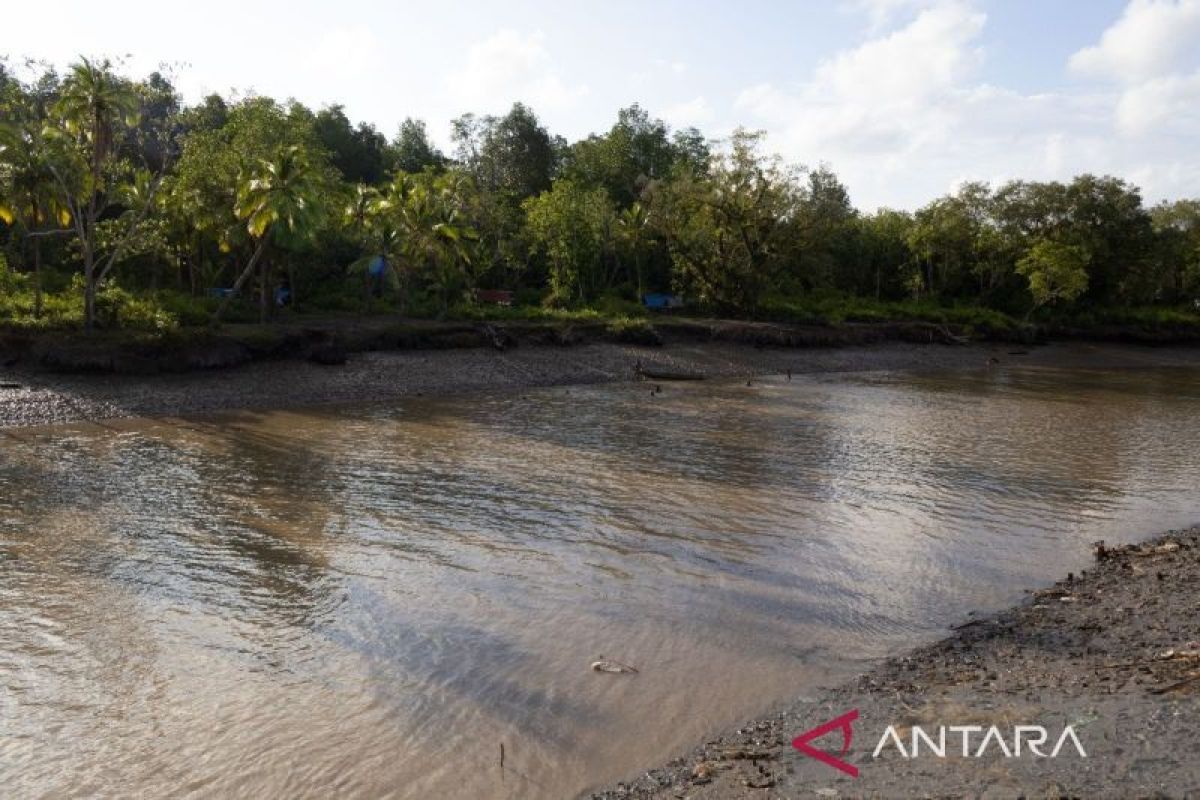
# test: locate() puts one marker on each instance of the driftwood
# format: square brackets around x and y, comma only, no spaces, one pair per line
[667,375]
[615,667]
[1178,684]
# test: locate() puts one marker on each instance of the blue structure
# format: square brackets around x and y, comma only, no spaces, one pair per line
[377,267]
[660,301]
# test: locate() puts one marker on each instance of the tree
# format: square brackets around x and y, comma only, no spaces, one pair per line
[411,150]
[279,201]
[213,165]
[635,151]
[573,227]
[28,195]
[883,258]
[358,153]
[633,226]
[1177,227]
[512,155]
[728,231]
[95,105]
[1055,271]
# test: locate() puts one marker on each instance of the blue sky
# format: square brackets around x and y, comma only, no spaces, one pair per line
[903,98]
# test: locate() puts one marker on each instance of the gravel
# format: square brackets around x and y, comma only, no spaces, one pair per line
[40,398]
[1114,653]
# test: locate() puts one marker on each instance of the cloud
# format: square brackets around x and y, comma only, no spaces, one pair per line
[882,13]
[508,67]
[1150,53]
[904,116]
[1150,39]
[695,112]
[1169,103]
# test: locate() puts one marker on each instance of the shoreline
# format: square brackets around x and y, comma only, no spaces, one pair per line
[37,398]
[1113,652]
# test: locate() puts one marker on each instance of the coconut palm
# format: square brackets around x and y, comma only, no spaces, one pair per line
[278,201]
[439,240]
[28,195]
[374,219]
[94,103]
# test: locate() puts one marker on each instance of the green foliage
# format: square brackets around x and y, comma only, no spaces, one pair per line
[728,231]
[115,181]
[632,331]
[574,227]
[411,151]
[1055,271]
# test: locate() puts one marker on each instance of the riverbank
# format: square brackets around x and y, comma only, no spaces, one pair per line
[36,397]
[1113,652]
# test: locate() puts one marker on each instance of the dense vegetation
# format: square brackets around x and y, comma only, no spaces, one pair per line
[121,207]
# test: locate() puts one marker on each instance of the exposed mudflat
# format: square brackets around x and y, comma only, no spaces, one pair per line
[1114,652]
[40,398]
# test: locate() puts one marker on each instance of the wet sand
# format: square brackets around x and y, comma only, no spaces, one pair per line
[39,398]
[1113,652]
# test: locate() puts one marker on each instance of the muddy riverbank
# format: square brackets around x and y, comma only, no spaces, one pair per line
[37,397]
[1113,652]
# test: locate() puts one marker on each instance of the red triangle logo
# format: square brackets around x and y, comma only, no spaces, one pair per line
[841,723]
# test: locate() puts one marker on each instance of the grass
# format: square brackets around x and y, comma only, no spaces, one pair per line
[837,309]
[167,313]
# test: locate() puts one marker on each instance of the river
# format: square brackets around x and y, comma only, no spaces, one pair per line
[371,600]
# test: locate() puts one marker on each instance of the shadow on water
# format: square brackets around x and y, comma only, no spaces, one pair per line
[417,582]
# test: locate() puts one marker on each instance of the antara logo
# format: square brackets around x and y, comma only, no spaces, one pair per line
[1029,739]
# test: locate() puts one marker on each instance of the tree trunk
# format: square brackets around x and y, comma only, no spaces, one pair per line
[37,278]
[237,285]
[89,289]
[89,300]
[291,270]
[262,293]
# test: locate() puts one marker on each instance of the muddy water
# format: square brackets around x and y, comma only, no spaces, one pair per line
[370,601]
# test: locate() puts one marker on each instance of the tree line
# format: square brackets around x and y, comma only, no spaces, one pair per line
[112,188]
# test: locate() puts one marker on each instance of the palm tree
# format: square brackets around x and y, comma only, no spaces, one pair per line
[278,201]
[93,104]
[633,223]
[375,220]
[439,239]
[94,100]
[27,194]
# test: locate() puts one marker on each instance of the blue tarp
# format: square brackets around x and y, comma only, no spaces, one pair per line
[661,300]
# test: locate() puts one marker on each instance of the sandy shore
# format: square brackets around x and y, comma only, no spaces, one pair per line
[1113,652]
[40,398]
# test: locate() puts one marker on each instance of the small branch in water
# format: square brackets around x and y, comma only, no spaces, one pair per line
[502,755]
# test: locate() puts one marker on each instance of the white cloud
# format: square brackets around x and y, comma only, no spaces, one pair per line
[1150,39]
[1169,103]
[696,112]
[508,67]
[904,116]
[882,13]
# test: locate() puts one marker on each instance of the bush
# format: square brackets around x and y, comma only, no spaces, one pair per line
[633,331]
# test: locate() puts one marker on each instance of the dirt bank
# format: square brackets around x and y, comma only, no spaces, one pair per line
[37,397]
[1113,652]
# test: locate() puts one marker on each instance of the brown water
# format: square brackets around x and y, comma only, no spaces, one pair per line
[369,601]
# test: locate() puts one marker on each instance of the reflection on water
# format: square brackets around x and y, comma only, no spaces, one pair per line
[370,601]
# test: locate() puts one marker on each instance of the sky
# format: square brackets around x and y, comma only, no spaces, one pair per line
[904,99]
